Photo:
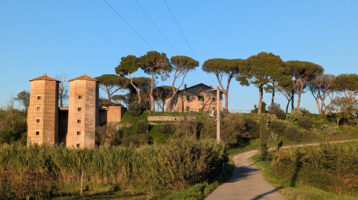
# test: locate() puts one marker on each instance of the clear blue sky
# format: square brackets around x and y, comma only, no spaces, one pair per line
[75,37]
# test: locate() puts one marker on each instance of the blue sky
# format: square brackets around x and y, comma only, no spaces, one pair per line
[76,37]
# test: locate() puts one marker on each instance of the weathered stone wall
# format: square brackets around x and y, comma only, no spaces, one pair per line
[114,113]
[62,125]
[42,116]
[83,115]
[169,118]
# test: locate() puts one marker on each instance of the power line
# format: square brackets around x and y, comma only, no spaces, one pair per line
[156,27]
[131,27]
[180,30]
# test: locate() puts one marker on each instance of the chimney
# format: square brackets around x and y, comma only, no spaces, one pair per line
[184,86]
[211,86]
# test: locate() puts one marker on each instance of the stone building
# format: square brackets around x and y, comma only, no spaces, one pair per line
[73,126]
[198,98]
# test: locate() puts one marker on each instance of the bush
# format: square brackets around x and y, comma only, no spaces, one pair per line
[135,109]
[167,129]
[332,168]
[173,166]
[276,110]
[142,126]
[305,122]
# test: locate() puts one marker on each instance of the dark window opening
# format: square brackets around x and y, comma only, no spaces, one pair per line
[187,108]
[77,145]
[187,97]
[38,97]
[37,132]
[213,99]
[78,121]
[79,97]
[38,108]
[201,98]
[79,108]
[37,120]
[78,133]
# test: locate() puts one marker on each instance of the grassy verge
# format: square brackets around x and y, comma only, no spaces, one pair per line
[299,191]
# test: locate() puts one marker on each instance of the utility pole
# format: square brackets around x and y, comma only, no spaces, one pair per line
[218,115]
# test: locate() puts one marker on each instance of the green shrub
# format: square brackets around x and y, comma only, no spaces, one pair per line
[305,122]
[167,129]
[332,168]
[135,109]
[142,126]
[276,110]
[173,166]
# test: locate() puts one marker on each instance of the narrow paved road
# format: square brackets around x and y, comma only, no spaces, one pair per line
[247,181]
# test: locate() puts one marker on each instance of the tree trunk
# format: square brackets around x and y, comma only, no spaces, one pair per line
[152,108]
[163,103]
[260,99]
[226,100]
[168,102]
[318,106]
[135,87]
[273,93]
[292,99]
[299,94]
[288,104]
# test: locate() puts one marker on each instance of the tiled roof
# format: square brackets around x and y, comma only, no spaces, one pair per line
[44,77]
[84,77]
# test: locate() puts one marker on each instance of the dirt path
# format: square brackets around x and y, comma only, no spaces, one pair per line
[247,181]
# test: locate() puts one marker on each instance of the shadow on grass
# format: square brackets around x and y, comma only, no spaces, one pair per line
[102,195]
[266,193]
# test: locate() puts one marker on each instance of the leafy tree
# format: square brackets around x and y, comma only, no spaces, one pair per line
[226,68]
[182,65]
[321,87]
[111,84]
[264,69]
[63,89]
[302,72]
[127,67]
[161,94]
[154,64]
[288,92]
[342,108]
[123,99]
[23,98]
[348,85]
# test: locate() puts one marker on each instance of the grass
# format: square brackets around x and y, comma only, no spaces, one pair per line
[299,191]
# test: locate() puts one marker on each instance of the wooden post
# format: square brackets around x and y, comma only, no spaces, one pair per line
[81,189]
[218,115]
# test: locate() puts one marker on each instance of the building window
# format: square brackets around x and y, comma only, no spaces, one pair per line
[77,145]
[79,108]
[187,97]
[200,110]
[79,97]
[213,99]
[78,133]
[187,108]
[38,97]
[201,98]
[37,132]
[38,108]
[37,120]
[78,121]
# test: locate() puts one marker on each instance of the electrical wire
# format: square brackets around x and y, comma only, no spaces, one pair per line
[128,24]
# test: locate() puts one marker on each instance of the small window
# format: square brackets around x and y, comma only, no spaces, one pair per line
[78,133]
[38,97]
[201,98]
[213,99]
[37,132]
[79,97]
[77,145]
[78,121]
[187,108]
[200,110]
[38,108]
[79,108]
[37,120]
[187,97]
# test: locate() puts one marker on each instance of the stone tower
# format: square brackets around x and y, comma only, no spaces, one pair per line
[42,115]
[83,112]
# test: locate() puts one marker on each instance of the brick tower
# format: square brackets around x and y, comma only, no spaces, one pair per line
[83,112]
[42,114]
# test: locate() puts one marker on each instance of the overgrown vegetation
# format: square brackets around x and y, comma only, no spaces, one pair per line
[170,167]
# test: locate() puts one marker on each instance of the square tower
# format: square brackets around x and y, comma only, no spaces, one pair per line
[42,114]
[83,112]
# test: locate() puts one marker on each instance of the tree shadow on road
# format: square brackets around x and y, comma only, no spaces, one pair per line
[266,193]
[241,172]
